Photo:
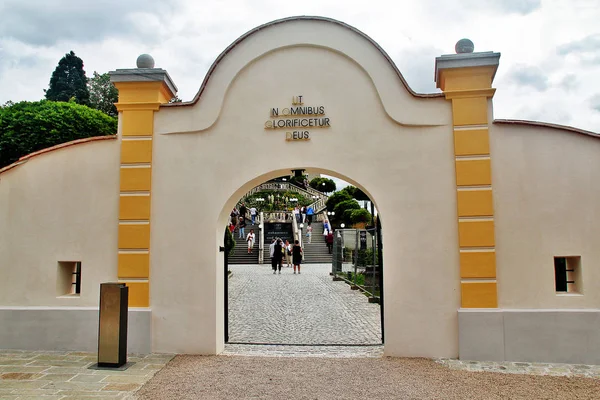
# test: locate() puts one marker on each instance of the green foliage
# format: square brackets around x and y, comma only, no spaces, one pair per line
[175,99]
[279,203]
[26,127]
[68,81]
[337,198]
[324,185]
[365,257]
[359,216]
[229,242]
[103,94]
[343,211]
[355,193]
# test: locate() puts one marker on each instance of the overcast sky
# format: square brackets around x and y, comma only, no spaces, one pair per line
[549,69]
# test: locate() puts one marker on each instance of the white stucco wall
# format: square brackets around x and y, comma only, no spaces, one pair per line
[59,206]
[408,171]
[547,203]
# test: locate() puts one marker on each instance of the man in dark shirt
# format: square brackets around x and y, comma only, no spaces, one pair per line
[277,256]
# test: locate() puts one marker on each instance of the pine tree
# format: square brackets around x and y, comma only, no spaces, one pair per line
[69,81]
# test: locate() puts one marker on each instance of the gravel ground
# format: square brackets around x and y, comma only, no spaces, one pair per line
[229,377]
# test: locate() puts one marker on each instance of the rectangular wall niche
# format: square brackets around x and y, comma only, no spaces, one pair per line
[567,274]
[68,279]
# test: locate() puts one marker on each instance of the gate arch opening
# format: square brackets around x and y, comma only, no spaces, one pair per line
[292,310]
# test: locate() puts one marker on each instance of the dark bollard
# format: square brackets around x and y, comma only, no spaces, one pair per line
[112,327]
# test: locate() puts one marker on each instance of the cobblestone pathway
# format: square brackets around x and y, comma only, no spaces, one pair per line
[298,309]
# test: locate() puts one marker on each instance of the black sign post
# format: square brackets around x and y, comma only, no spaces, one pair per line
[282,230]
[363,240]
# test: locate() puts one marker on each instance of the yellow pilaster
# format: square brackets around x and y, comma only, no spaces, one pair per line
[466,80]
[141,91]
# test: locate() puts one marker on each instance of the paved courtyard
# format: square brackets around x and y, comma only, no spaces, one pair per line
[65,375]
[305,309]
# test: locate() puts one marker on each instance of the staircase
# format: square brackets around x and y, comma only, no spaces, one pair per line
[240,253]
[316,252]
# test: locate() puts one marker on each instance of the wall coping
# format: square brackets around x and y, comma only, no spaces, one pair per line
[546,125]
[29,156]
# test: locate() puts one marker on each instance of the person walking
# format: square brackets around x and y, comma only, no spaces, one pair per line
[309,214]
[297,214]
[277,256]
[250,241]
[329,241]
[241,227]
[296,255]
[272,254]
[243,211]
[303,212]
[309,233]
[253,215]
[288,253]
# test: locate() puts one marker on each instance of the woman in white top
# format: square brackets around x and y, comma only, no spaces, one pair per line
[288,253]
[250,240]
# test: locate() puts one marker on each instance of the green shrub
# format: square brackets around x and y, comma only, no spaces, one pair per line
[229,242]
[358,216]
[27,127]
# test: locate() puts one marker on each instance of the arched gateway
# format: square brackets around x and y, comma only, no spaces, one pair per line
[464,274]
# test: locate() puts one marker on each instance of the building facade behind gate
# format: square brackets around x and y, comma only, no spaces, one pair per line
[489,225]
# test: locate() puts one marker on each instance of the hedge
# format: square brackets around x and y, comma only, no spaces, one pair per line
[27,127]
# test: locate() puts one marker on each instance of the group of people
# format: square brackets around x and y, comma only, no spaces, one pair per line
[280,251]
[237,219]
[303,214]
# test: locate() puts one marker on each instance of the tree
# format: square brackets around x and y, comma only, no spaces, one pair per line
[26,127]
[343,211]
[324,185]
[69,81]
[336,198]
[103,94]
[175,99]
[356,193]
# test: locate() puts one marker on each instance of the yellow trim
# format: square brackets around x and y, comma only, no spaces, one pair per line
[470,111]
[471,142]
[134,265]
[475,203]
[136,179]
[138,123]
[479,295]
[476,234]
[478,264]
[139,294]
[458,94]
[136,151]
[134,208]
[473,172]
[464,78]
[154,106]
[134,236]
[139,92]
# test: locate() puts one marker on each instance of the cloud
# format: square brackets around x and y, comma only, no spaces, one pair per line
[587,49]
[524,75]
[417,65]
[569,82]
[546,112]
[522,7]
[48,22]
[595,102]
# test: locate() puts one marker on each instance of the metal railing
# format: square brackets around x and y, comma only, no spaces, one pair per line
[287,187]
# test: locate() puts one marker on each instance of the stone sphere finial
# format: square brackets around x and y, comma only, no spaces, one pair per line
[464,46]
[145,61]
